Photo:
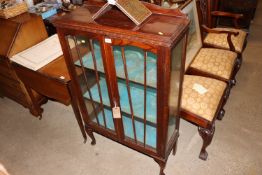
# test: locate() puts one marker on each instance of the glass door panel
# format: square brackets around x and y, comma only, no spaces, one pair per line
[175,79]
[86,54]
[136,78]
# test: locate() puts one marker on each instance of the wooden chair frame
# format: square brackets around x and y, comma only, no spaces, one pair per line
[206,128]
[198,44]
[207,12]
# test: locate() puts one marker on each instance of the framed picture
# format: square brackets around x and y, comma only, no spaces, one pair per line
[194,42]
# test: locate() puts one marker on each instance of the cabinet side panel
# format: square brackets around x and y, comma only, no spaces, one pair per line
[8,31]
[30,33]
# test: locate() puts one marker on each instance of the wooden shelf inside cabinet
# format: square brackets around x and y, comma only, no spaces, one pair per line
[136,91]
[129,85]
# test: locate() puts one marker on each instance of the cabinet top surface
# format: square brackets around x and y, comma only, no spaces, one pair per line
[163,25]
[56,69]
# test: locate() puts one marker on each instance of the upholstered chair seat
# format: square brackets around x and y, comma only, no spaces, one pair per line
[216,62]
[202,102]
[201,96]
[220,40]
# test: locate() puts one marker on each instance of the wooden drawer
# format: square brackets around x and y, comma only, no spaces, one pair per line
[13,84]
[14,94]
[6,69]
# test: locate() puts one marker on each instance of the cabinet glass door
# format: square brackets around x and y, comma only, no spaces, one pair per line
[176,68]
[89,67]
[136,79]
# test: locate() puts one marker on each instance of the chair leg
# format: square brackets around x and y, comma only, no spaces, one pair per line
[162,165]
[240,60]
[238,64]
[207,136]
[221,114]
[233,82]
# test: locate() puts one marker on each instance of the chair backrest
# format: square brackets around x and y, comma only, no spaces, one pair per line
[205,7]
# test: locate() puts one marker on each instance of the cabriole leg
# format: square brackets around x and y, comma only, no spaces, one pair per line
[89,132]
[207,136]
[162,165]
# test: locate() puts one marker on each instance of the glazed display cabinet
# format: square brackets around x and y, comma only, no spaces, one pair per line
[127,78]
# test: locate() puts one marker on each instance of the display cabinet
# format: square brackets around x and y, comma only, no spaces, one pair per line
[127,78]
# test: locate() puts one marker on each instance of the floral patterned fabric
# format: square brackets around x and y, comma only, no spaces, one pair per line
[215,61]
[203,103]
[220,40]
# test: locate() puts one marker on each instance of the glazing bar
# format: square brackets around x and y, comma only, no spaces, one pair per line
[128,91]
[145,89]
[97,80]
[85,77]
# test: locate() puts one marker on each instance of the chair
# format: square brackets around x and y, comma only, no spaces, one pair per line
[209,62]
[215,63]
[232,39]
[202,102]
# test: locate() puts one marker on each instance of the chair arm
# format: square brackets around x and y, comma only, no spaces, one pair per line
[209,30]
[227,14]
[234,16]
[229,34]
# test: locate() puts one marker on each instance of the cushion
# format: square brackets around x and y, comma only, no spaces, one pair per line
[201,95]
[220,40]
[215,61]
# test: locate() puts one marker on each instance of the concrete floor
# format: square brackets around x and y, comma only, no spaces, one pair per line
[54,145]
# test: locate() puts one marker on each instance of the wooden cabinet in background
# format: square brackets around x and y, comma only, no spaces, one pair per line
[16,35]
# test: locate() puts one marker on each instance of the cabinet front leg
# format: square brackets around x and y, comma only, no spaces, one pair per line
[175,148]
[78,117]
[207,136]
[89,132]
[162,165]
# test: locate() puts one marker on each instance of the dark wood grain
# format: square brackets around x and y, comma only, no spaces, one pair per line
[159,34]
